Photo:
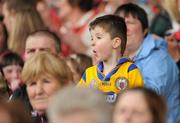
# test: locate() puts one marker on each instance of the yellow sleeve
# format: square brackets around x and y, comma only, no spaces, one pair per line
[82,81]
[135,78]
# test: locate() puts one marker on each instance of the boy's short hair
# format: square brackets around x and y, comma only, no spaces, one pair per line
[49,34]
[135,11]
[114,25]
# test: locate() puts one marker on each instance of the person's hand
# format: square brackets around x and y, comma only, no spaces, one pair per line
[14,84]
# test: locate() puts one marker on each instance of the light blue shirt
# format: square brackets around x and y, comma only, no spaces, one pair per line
[160,73]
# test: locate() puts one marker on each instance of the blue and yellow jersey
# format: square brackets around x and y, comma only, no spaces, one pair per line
[123,76]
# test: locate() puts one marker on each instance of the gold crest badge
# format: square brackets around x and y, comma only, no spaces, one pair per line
[121,83]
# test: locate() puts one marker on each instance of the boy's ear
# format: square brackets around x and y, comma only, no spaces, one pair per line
[116,42]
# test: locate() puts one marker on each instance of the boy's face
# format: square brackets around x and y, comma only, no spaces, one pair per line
[101,44]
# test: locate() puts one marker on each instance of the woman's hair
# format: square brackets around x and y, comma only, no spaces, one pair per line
[19,5]
[135,11]
[4,90]
[24,23]
[72,100]
[10,58]
[46,63]
[155,102]
[4,35]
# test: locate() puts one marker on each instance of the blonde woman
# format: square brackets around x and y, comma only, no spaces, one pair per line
[25,22]
[44,74]
[20,22]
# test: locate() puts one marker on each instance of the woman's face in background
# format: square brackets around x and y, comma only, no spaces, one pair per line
[132,108]
[41,90]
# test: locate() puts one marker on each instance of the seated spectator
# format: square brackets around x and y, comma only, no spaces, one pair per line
[79,105]
[139,105]
[44,74]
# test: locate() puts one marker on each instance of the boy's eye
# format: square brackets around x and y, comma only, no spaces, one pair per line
[98,37]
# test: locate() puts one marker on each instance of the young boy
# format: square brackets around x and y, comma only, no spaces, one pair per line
[113,73]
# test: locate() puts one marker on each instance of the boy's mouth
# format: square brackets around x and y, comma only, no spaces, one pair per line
[95,53]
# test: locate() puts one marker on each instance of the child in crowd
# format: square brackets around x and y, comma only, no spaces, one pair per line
[11,64]
[113,73]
